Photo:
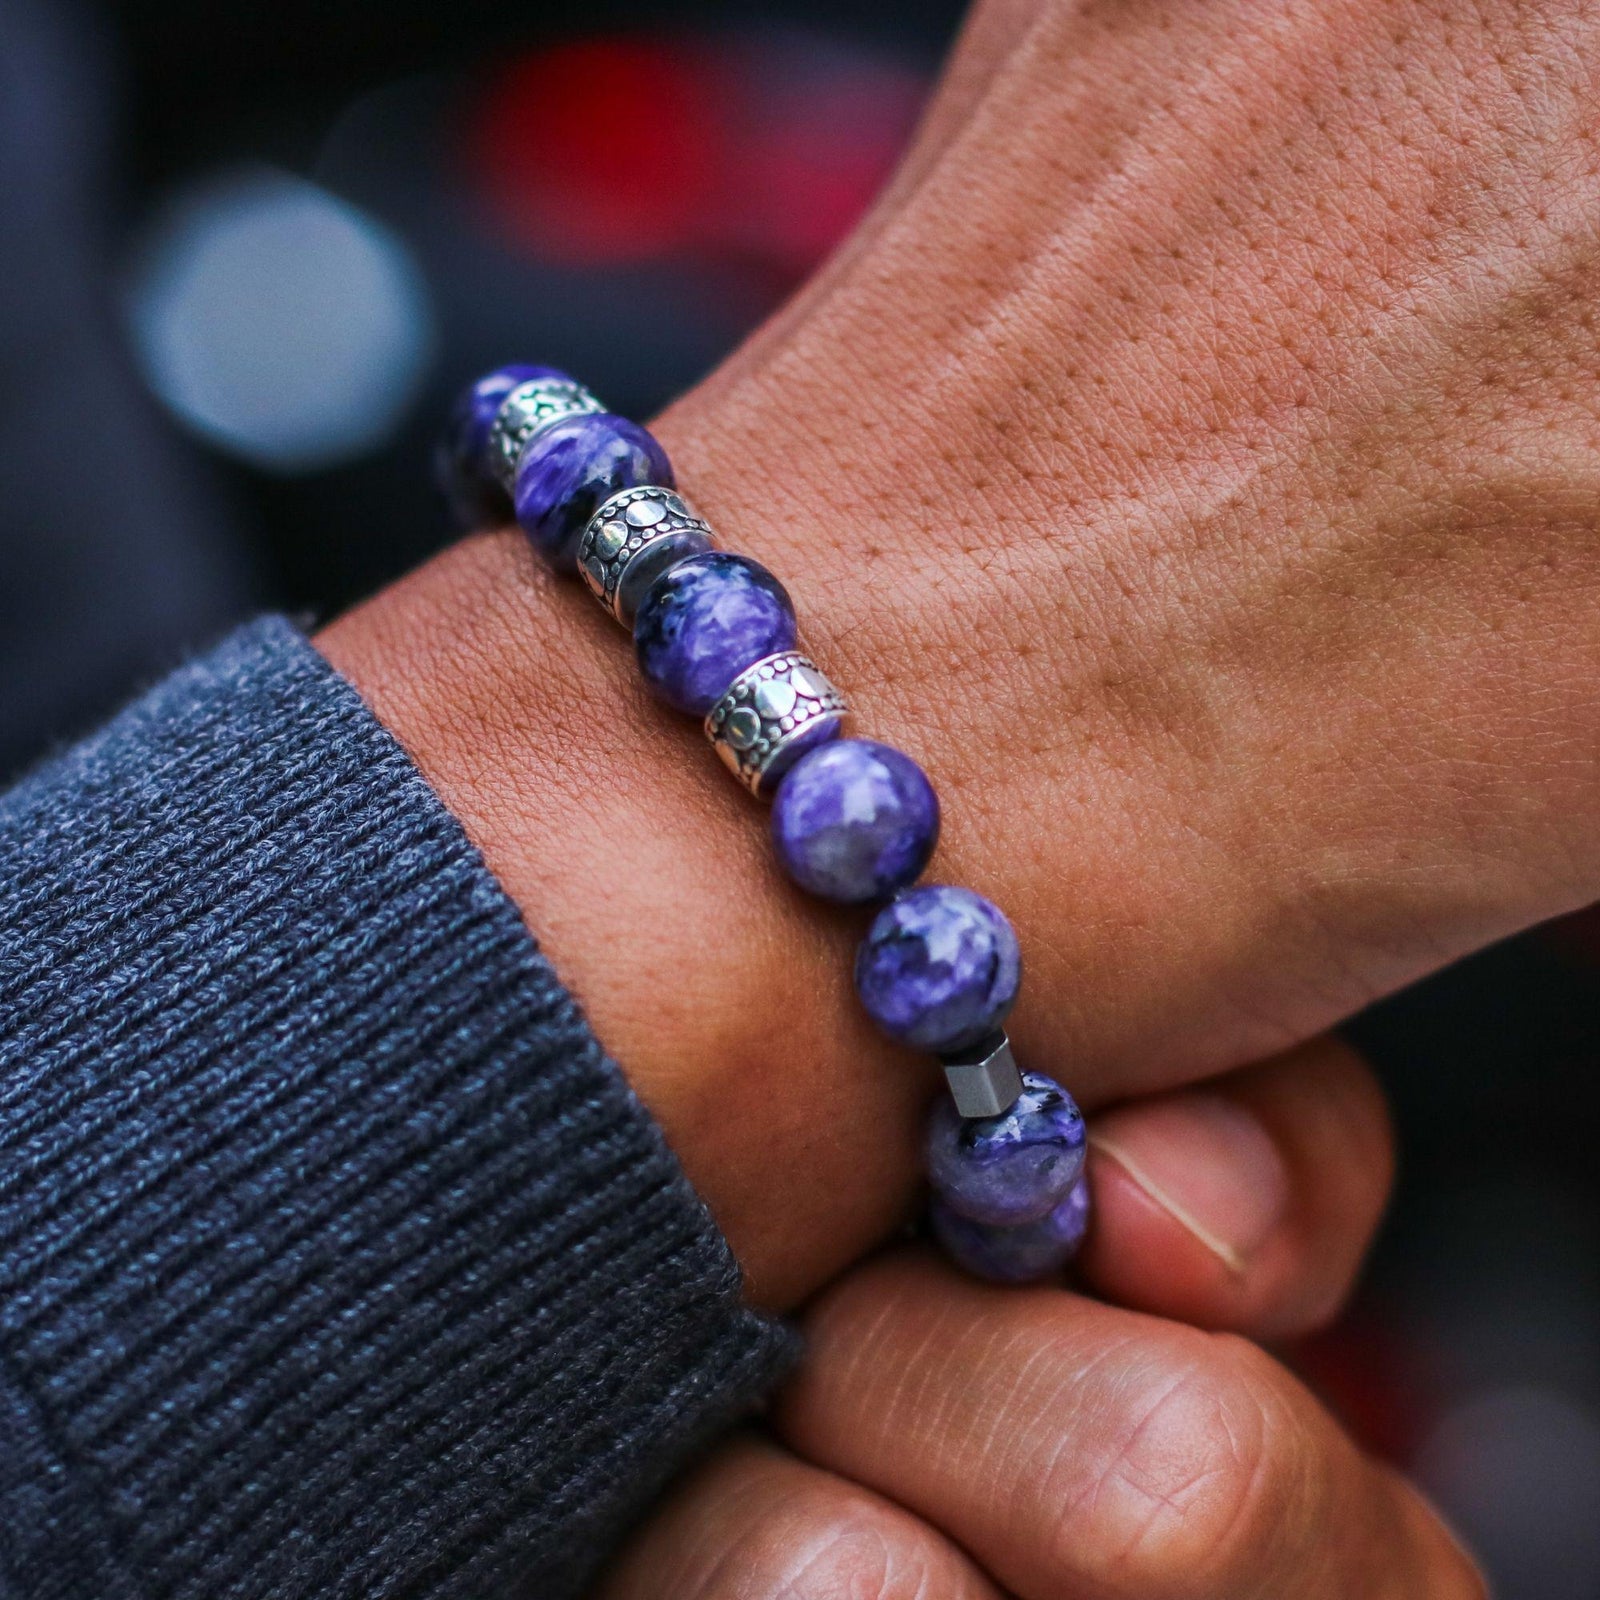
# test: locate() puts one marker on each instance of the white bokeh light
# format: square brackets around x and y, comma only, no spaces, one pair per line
[278,321]
[1518,1470]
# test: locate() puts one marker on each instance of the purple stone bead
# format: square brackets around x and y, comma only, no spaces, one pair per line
[701,624]
[462,466]
[939,968]
[570,467]
[1019,1254]
[818,734]
[855,821]
[1012,1168]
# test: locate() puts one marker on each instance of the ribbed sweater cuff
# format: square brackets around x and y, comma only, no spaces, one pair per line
[335,1258]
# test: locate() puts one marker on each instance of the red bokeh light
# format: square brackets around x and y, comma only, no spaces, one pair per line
[1372,1376]
[597,150]
[636,149]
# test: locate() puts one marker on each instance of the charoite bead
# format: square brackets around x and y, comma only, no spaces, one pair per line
[1020,1254]
[770,716]
[1011,1168]
[464,469]
[568,468]
[855,821]
[704,623]
[939,968]
[632,540]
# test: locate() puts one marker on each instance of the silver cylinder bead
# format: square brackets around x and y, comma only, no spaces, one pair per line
[633,538]
[528,408]
[770,715]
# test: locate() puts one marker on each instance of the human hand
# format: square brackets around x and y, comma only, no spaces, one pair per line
[950,1439]
[1192,464]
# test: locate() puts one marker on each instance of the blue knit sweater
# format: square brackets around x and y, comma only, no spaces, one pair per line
[335,1257]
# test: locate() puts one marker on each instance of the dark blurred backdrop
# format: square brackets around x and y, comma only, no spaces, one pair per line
[247,251]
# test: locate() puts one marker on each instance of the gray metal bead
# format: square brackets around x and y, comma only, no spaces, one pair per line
[528,408]
[770,715]
[984,1081]
[631,540]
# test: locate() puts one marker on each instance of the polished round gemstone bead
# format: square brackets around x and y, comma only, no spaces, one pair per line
[939,968]
[704,622]
[462,464]
[570,467]
[1019,1254]
[855,821]
[1012,1168]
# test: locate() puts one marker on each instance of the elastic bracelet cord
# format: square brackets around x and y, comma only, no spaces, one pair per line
[853,821]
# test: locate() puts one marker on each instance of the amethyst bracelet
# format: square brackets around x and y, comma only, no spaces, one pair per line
[853,821]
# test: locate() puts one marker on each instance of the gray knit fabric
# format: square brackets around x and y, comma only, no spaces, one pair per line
[335,1258]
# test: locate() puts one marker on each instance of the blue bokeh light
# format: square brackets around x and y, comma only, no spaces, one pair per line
[279,322]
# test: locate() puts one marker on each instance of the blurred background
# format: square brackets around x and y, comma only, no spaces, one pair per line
[248,251]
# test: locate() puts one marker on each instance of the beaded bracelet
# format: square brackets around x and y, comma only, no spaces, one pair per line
[853,821]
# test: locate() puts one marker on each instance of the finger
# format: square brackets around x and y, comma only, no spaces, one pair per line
[1076,1449]
[756,1524]
[1247,1204]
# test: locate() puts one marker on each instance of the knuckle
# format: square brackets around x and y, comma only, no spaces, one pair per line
[1451,1571]
[1198,1469]
[822,1550]
[1460,1577]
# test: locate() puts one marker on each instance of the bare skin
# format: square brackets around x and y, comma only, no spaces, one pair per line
[949,1439]
[1193,464]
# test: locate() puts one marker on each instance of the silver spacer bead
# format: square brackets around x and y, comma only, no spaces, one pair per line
[770,715]
[984,1081]
[528,408]
[631,540]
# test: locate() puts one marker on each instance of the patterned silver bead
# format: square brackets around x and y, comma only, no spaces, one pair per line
[984,1081]
[631,540]
[528,408]
[771,714]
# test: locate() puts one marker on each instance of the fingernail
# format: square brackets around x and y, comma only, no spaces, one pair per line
[1208,1163]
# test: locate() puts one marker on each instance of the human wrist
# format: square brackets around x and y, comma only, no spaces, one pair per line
[722,993]
[1156,545]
